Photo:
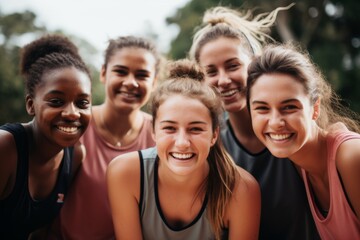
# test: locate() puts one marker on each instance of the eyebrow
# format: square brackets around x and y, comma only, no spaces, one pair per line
[191,123]
[226,62]
[63,93]
[55,92]
[285,101]
[125,67]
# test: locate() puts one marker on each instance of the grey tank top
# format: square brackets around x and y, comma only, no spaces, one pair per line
[153,222]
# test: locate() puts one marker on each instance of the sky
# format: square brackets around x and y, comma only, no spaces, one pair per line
[98,20]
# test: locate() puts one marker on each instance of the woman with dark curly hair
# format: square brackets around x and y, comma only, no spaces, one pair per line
[39,158]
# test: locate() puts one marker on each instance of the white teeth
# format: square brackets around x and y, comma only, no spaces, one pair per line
[129,95]
[68,129]
[280,136]
[229,93]
[182,155]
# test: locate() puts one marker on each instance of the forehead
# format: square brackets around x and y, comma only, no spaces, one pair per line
[181,107]
[132,55]
[65,79]
[221,49]
[277,86]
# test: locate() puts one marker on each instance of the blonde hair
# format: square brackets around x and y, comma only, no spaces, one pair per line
[225,22]
[187,79]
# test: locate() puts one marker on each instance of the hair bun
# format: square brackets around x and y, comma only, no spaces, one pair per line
[185,69]
[44,46]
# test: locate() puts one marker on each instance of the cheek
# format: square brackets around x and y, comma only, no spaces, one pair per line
[258,122]
[211,81]
[86,114]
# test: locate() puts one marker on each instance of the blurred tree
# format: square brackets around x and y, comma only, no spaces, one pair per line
[329,30]
[16,29]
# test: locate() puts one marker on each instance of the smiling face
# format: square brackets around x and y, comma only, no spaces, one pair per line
[129,77]
[281,112]
[225,64]
[62,105]
[183,134]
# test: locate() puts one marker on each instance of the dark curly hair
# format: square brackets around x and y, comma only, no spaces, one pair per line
[48,53]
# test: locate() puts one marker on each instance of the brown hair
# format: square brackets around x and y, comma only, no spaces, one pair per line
[132,42]
[291,59]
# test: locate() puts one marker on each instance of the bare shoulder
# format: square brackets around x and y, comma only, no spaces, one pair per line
[348,166]
[8,161]
[124,171]
[79,155]
[348,155]
[246,180]
[127,163]
[246,186]
[7,143]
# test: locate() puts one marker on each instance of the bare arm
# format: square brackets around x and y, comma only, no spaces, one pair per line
[123,181]
[243,212]
[348,165]
[8,163]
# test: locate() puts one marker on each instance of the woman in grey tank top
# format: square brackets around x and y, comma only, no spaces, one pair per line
[187,187]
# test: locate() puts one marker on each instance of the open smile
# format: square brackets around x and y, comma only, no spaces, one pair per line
[182,156]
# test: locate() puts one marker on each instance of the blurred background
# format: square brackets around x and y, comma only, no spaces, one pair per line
[329,30]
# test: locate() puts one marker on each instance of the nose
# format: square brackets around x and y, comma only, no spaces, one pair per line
[276,120]
[182,140]
[70,112]
[130,81]
[224,79]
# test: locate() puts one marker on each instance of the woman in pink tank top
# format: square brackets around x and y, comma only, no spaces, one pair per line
[297,116]
[129,73]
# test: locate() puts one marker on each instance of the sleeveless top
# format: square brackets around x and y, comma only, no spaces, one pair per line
[341,221]
[19,213]
[153,222]
[285,213]
[86,213]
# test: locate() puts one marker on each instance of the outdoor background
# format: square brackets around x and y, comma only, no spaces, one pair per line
[329,30]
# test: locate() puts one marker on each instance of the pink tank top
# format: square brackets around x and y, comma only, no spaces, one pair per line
[86,212]
[340,222]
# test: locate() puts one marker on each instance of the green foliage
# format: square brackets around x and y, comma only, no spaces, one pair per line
[329,30]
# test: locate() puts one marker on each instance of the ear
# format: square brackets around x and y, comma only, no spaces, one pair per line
[103,74]
[215,136]
[316,110]
[29,102]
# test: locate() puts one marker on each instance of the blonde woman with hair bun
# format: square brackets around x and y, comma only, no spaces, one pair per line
[224,46]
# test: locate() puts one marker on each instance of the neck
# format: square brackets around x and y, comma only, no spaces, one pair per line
[41,150]
[241,125]
[191,183]
[312,157]
[119,129]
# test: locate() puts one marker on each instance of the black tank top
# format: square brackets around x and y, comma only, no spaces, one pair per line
[285,212]
[19,213]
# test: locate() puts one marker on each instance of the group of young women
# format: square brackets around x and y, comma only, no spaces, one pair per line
[283,165]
